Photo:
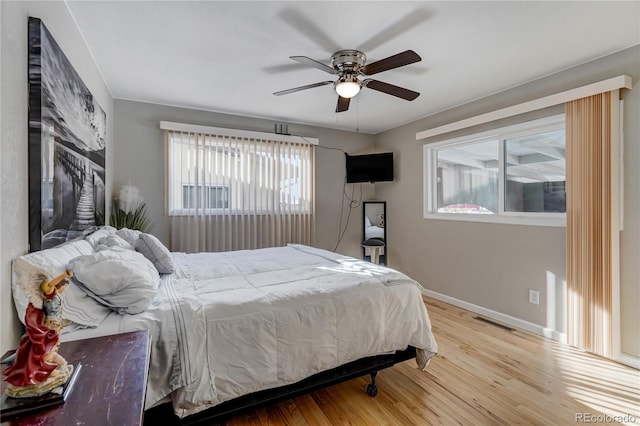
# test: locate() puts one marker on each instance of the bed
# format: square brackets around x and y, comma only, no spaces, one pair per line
[234,329]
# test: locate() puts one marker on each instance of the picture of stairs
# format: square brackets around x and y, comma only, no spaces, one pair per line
[67,143]
[85,211]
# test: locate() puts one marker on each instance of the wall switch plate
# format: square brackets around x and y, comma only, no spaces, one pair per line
[534,297]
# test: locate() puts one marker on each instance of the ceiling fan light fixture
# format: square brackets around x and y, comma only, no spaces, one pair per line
[349,65]
[348,86]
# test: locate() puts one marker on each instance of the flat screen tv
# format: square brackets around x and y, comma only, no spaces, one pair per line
[370,167]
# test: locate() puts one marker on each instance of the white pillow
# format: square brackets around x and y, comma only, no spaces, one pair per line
[156,252]
[29,271]
[113,241]
[129,235]
[122,279]
[98,235]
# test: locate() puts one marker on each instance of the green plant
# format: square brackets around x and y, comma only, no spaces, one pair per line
[134,219]
[128,210]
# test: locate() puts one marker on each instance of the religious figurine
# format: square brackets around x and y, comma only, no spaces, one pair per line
[38,368]
[52,302]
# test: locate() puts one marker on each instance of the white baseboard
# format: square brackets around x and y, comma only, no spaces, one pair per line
[499,316]
[626,359]
[623,358]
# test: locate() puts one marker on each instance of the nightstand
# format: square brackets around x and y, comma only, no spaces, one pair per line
[111,386]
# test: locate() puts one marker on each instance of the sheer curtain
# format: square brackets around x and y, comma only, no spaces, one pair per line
[231,193]
[592,220]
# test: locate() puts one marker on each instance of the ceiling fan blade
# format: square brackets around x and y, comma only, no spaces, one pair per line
[297,89]
[343,104]
[412,19]
[310,28]
[390,89]
[399,60]
[313,63]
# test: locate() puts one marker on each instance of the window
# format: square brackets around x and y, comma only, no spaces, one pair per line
[209,197]
[535,172]
[237,175]
[511,175]
[467,178]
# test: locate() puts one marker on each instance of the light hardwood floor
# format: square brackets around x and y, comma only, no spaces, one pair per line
[482,375]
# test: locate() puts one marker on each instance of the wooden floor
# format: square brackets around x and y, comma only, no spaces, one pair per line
[482,375]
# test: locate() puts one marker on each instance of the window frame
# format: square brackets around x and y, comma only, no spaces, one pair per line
[430,170]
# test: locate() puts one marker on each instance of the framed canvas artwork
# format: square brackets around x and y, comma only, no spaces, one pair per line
[67,138]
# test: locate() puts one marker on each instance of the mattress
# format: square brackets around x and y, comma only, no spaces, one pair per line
[232,323]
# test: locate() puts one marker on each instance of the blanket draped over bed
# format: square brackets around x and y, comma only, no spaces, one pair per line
[228,324]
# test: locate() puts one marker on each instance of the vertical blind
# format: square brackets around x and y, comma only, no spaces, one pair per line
[591,221]
[233,193]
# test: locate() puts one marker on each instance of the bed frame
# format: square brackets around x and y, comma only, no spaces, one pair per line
[163,414]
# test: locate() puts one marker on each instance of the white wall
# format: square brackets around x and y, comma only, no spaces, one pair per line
[14,225]
[493,265]
[139,159]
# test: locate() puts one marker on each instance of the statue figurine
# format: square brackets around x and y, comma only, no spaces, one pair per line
[52,302]
[38,368]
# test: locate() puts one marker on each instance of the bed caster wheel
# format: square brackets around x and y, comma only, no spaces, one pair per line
[372,390]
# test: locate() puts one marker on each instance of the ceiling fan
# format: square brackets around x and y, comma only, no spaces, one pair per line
[348,65]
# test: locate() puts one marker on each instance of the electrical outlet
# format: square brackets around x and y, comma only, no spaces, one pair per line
[534,297]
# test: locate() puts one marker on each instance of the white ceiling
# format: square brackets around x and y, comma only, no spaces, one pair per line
[231,56]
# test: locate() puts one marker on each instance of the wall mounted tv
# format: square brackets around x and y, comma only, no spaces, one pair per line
[370,167]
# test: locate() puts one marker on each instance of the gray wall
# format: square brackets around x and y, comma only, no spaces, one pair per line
[139,159]
[14,225]
[493,265]
[486,264]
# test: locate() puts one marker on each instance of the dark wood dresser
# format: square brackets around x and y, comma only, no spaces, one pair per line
[110,388]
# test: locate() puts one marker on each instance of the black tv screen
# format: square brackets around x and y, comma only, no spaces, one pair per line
[370,167]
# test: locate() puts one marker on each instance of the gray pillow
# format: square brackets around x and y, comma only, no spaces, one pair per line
[156,252]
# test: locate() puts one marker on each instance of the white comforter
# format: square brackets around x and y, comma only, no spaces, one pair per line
[228,324]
